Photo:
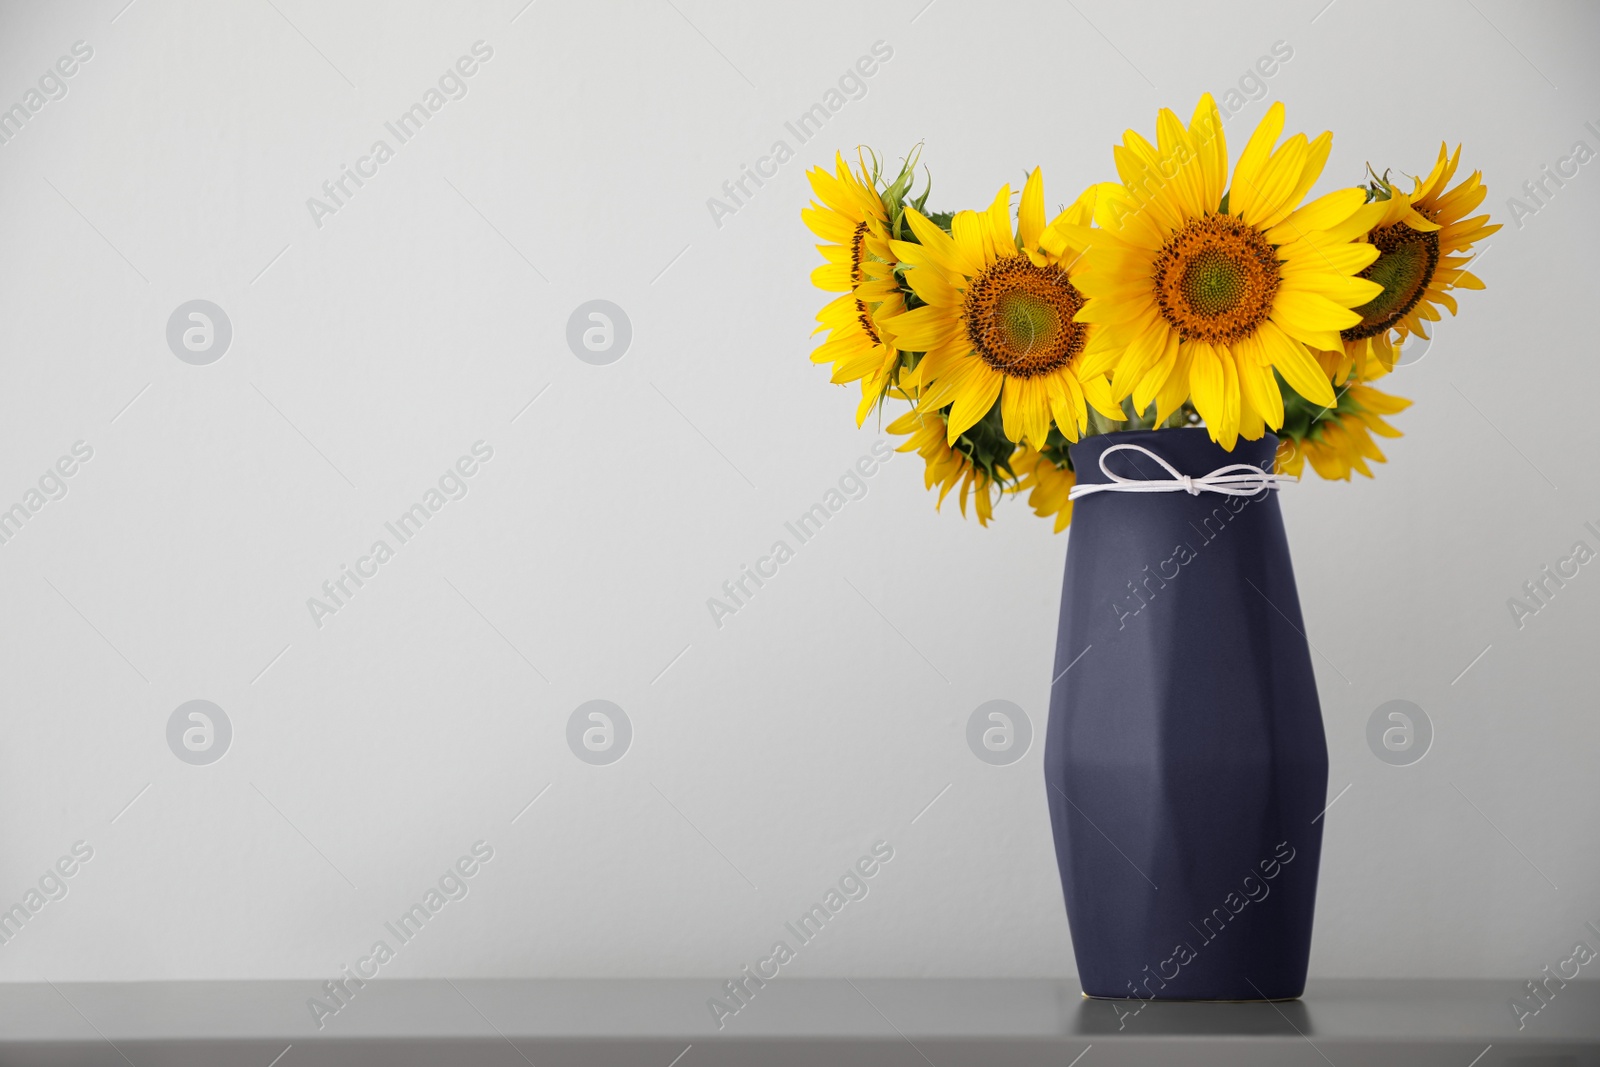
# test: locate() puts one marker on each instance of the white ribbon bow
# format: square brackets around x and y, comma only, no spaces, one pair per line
[1235,479]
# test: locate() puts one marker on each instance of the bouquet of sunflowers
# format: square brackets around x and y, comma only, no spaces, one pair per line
[1172,297]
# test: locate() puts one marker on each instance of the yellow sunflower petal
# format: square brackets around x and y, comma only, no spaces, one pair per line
[1242,194]
[1206,136]
[1030,211]
[1296,365]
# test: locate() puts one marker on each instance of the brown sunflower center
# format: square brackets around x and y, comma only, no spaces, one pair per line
[1215,279]
[1019,317]
[1406,261]
[858,255]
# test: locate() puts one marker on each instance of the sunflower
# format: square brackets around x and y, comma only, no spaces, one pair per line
[947,465]
[1368,358]
[1202,294]
[1048,484]
[1421,239]
[849,214]
[1338,440]
[999,318]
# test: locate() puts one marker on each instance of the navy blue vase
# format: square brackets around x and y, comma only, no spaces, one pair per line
[1185,760]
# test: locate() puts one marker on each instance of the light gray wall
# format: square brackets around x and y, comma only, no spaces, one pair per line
[370,352]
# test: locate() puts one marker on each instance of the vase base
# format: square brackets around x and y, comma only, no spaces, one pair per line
[1197,1000]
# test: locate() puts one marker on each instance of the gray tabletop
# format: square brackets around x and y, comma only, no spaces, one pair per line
[885,1023]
